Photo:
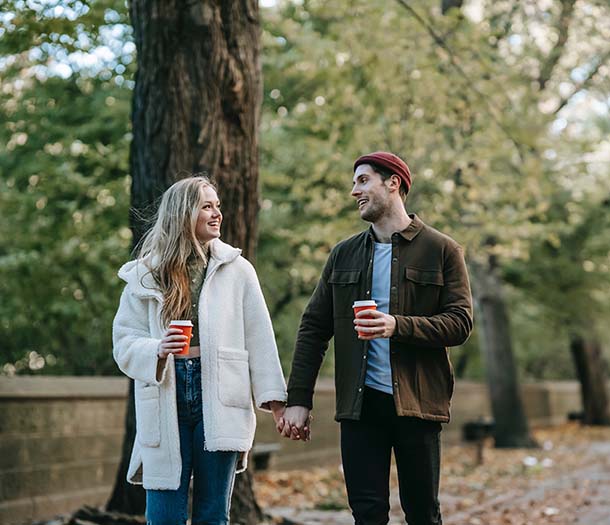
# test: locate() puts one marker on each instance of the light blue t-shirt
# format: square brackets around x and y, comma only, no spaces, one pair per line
[378,370]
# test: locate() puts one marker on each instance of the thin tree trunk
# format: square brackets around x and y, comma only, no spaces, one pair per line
[511,427]
[196,108]
[590,368]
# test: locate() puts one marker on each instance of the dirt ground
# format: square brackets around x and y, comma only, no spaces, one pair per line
[565,481]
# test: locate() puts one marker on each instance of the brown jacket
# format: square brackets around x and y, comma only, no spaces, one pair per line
[431,301]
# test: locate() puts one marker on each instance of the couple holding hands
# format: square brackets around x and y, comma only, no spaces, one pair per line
[393,378]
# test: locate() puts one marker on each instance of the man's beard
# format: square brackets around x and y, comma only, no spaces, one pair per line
[373,212]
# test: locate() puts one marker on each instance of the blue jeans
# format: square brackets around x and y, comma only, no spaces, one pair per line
[213,472]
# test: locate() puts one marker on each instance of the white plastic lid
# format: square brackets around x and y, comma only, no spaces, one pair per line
[179,322]
[359,304]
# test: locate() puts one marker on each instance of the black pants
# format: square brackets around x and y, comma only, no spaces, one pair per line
[366,447]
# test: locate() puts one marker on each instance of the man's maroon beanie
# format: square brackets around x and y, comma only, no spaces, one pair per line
[389,162]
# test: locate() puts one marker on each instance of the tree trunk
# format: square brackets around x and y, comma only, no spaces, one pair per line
[590,368]
[196,104]
[196,108]
[511,428]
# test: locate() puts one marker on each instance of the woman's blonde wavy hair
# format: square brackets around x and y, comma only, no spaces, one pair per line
[168,245]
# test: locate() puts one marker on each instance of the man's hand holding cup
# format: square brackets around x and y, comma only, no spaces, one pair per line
[370,323]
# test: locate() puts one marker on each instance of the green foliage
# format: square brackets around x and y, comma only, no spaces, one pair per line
[459,97]
[64,185]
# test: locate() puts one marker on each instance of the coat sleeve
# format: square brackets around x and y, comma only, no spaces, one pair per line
[266,374]
[134,350]
[315,331]
[453,324]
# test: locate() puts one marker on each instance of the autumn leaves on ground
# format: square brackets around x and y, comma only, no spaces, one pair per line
[564,481]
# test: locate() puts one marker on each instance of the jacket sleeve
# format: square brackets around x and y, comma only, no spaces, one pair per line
[266,374]
[134,350]
[315,331]
[453,324]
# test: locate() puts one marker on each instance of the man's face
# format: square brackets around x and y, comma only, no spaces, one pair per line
[371,193]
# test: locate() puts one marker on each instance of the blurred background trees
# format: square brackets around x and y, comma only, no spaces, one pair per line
[500,109]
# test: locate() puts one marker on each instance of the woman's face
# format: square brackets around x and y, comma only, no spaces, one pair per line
[210,217]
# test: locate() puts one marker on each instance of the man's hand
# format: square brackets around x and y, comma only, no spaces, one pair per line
[378,325]
[295,423]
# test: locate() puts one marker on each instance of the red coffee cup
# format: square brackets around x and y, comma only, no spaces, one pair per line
[186,327]
[359,306]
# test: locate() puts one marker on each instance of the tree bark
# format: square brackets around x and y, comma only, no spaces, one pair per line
[590,369]
[196,108]
[511,427]
[196,104]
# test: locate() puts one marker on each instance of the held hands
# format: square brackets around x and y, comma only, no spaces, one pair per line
[378,325]
[295,423]
[173,341]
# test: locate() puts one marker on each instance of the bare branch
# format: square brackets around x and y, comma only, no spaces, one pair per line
[584,83]
[563,26]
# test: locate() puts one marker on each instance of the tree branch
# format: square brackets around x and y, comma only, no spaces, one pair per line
[563,26]
[582,85]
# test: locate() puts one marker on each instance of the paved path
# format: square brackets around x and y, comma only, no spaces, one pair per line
[578,497]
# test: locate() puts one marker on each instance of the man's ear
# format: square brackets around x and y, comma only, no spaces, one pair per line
[395,182]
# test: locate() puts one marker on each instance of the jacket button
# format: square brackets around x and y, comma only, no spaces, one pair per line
[363,357]
[394,259]
[360,390]
[396,384]
[393,288]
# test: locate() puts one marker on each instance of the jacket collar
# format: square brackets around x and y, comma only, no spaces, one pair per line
[410,232]
[141,283]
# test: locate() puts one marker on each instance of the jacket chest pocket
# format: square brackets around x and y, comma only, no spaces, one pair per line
[422,290]
[234,378]
[345,284]
[148,416]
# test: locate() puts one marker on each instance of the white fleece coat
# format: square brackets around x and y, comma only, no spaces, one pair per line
[239,359]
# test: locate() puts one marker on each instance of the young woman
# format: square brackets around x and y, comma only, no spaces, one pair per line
[194,412]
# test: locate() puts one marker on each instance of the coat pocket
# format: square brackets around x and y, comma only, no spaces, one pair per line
[422,291]
[346,287]
[234,378]
[147,416]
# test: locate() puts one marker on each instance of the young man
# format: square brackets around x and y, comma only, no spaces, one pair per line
[393,380]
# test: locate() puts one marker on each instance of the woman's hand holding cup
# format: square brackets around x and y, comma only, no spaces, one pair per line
[173,342]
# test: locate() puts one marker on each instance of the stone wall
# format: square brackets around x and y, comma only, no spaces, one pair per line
[60,437]
[60,443]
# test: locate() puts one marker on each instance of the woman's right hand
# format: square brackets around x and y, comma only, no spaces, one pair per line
[173,341]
